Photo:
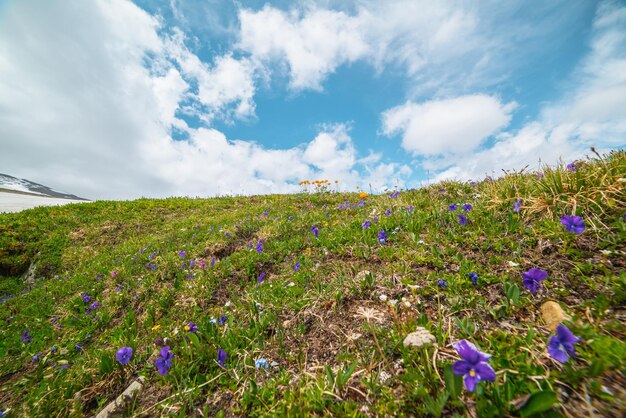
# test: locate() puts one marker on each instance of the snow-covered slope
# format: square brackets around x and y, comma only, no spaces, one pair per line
[26,186]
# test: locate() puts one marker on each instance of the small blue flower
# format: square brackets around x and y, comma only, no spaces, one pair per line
[561,345]
[123,355]
[296,267]
[532,279]
[573,224]
[164,363]
[261,363]
[517,205]
[442,283]
[366,224]
[466,207]
[473,276]
[261,277]
[453,207]
[463,219]
[221,357]
[222,320]
[382,236]
[473,365]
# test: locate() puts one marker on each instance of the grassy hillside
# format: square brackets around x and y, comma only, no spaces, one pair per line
[311,303]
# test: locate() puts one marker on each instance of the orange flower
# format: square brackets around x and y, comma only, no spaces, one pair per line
[362,195]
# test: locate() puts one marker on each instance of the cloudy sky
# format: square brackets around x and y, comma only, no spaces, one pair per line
[117,99]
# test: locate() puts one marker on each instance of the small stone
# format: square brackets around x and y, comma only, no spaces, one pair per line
[553,314]
[419,338]
[384,377]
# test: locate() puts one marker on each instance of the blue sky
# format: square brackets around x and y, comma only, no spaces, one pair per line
[119,99]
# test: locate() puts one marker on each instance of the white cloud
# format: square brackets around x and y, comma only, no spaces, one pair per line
[82,113]
[591,112]
[448,126]
[313,44]
[444,48]
[225,90]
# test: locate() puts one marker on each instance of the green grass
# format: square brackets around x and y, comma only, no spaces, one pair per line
[332,332]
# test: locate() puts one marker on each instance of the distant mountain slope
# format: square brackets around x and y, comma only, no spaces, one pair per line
[10,183]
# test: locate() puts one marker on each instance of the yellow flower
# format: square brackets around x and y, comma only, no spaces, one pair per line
[156,327]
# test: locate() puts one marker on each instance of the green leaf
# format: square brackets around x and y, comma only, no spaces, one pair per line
[539,402]
[194,339]
[513,293]
[454,383]
[106,364]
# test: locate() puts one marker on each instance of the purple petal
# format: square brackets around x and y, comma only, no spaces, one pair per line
[554,350]
[461,367]
[470,382]
[467,351]
[565,335]
[485,372]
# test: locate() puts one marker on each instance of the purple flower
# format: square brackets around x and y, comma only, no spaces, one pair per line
[182,253]
[78,346]
[212,261]
[202,263]
[463,219]
[394,194]
[192,327]
[453,207]
[250,245]
[86,297]
[375,219]
[382,236]
[92,307]
[266,214]
[290,218]
[36,358]
[259,246]
[442,283]
[442,191]
[296,267]
[573,224]
[164,363]
[221,356]
[410,208]
[366,224]
[361,203]
[192,263]
[388,212]
[222,320]
[517,205]
[473,276]
[572,166]
[561,345]
[118,289]
[473,366]
[261,277]
[315,230]
[539,175]
[466,207]
[124,355]
[532,279]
